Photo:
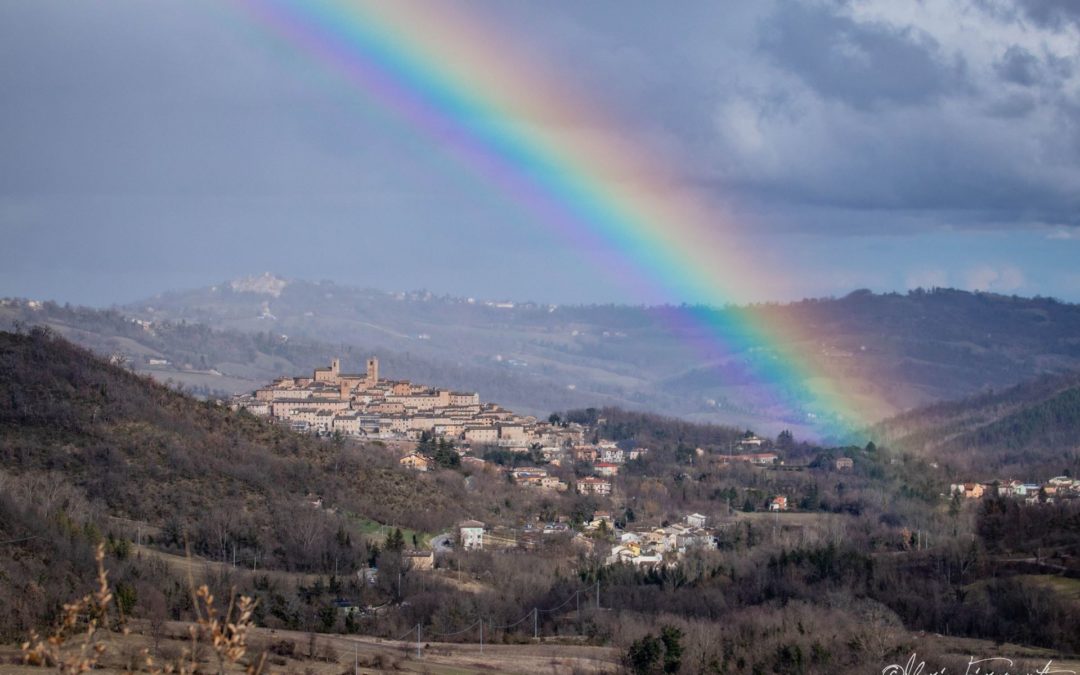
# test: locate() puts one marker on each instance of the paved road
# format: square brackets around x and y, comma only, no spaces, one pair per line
[442,543]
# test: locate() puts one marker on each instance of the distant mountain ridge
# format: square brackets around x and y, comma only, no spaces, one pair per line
[908,349]
[890,352]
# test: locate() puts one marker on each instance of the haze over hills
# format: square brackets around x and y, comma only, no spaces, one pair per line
[221,362]
[905,350]
[893,351]
[1033,427]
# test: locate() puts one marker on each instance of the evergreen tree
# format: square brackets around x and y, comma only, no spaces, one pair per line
[396,541]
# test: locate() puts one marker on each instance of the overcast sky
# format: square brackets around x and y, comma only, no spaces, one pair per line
[147,146]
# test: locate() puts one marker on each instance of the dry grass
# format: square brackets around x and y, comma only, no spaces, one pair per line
[80,641]
[92,635]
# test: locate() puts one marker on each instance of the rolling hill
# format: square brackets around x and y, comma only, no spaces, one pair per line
[890,352]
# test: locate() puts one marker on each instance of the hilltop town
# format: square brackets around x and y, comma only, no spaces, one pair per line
[366,406]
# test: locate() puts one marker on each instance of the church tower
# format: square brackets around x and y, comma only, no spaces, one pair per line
[372,371]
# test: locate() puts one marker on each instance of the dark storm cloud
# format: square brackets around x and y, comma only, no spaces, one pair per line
[862,64]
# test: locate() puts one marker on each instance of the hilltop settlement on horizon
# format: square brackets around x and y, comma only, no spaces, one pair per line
[366,406]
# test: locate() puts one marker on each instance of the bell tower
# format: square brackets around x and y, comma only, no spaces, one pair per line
[372,371]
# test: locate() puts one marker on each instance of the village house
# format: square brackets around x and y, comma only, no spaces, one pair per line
[606,468]
[694,537]
[472,535]
[695,520]
[348,423]
[601,518]
[967,490]
[585,453]
[778,503]
[1027,490]
[416,462]
[844,464]
[419,560]
[553,483]
[482,435]
[613,456]
[593,486]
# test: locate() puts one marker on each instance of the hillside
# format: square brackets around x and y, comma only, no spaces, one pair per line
[89,449]
[91,452]
[1033,427]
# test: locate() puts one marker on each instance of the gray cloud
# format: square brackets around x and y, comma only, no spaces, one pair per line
[1019,66]
[181,140]
[862,64]
[1054,14]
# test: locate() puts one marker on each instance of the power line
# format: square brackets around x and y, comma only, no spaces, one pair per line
[564,604]
[459,632]
[511,625]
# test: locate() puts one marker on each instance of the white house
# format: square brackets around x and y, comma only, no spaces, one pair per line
[472,535]
[695,520]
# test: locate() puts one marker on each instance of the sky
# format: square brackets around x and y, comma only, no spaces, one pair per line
[148,146]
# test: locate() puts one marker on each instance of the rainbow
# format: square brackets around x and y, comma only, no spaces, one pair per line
[460,80]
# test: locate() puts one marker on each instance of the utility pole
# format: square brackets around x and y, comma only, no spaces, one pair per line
[417,640]
[481,636]
[577,605]
[598,593]
[355,659]
[536,624]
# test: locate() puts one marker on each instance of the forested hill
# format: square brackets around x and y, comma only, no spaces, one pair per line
[1033,427]
[87,448]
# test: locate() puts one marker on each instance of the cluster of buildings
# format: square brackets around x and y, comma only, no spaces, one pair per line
[560,474]
[367,406]
[1059,487]
[643,547]
[662,545]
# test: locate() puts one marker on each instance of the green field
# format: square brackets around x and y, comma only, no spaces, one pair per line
[378,532]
